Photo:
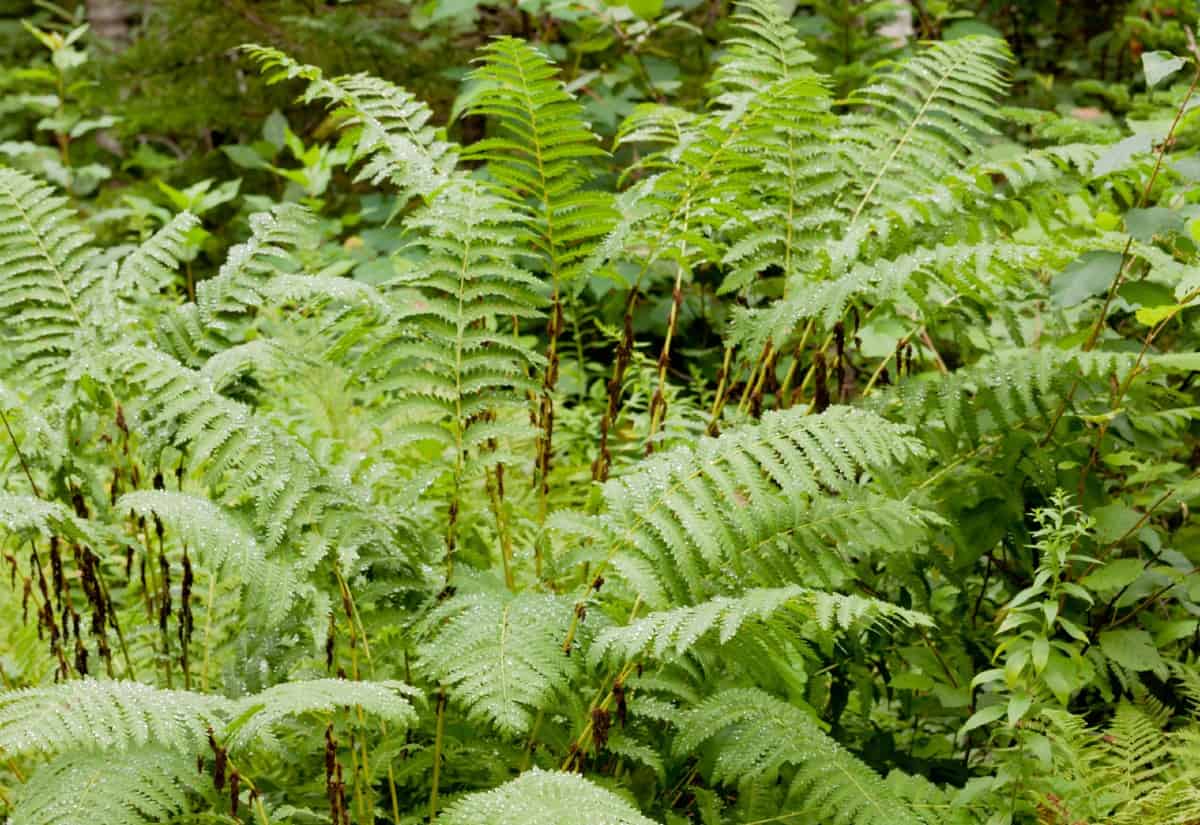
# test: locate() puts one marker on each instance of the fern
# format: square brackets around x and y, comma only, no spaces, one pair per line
[671,633]
[544,798]
[686,517]
[394,134]
[49,276]
[923,118]
[92,715]
[147,784]
[254,717]
[500,656]
[761,736]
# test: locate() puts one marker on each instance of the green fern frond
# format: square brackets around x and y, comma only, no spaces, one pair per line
[48,275]
[922,119]
[542,152]
[395,136]
[540,797]
[29,516]
[245,459]
[154,265]
[761,736]
[499,655]
[254,717]
[144,785]
[669,634]
[451,351]
[681,521]
[102,715]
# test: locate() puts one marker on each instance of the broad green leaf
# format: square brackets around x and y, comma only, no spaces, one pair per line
[1114,575]
[1133,649]
[1090,274]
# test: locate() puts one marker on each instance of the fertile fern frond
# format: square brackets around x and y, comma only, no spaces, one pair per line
[499,655]
[669,634]
[101,715]
[395,135]
[540,797]
[922,119]
[682,521]
[48,277]
[144,785]
[255,717]
[760,736]
[543,151]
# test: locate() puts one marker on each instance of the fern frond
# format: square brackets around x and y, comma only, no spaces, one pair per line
[668,634]
[923,118]
[542,152]
[761,736]
[451,351]
[48,272]
[681,522]
[500,655]
[245,459]
[540,797]
[102,715]
[395,137]
[254,717]
[144,785]
[154,264]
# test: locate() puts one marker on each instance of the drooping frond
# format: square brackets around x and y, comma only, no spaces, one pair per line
[221,541]
[500,656]
[668,634]
[761,736]
[103,715]
[1001,391]
[540,797]
[144,785]
[395,136]
[255,716]
[47,275]
[686,519]
[542,153]
[246,459]
[922,118]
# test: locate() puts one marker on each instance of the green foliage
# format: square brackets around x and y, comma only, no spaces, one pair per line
[707,415]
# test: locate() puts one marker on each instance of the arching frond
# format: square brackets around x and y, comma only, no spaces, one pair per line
[254,717]
[92,715]
[395,136]
[922,118]
[667,634]
[682,520]
[760,735]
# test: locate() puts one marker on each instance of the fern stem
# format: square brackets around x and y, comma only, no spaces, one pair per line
[719,399]
[494,482]
[438,736]
[208,611]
